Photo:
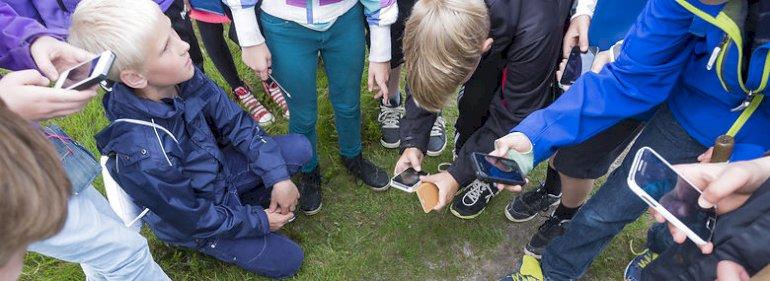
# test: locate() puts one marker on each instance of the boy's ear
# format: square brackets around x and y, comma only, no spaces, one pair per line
[487,45]
[133,79]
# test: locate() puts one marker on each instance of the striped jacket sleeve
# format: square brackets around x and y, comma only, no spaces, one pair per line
[245,21]
[380,15]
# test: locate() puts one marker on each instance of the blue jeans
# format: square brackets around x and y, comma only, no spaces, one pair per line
[93,235]
[295,51]
[567,257]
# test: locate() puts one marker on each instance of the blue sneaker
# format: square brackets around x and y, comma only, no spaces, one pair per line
[634,269]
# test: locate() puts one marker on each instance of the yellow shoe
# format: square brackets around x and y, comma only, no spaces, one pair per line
[528,271]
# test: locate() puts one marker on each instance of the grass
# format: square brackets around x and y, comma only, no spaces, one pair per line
[360,234]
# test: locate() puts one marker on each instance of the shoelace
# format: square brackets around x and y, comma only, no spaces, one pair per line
[438,127]
[647,256]
[520,277]
[277,95]
[476,189]
[389,116]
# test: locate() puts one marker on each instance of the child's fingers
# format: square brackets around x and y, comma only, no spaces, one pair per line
[706,249]
[273,206]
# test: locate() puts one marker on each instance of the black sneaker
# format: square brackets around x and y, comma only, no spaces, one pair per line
[370,174]
[550,229]
[437,140]
[472,202]
[389,119]
[310,192]
[526,206]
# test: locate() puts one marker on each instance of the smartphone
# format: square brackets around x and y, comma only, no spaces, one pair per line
[656,182]
[497,169]
[87,74]
[407,180]
[577,64]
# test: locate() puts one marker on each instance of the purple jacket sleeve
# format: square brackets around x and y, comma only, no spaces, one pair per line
[15,39]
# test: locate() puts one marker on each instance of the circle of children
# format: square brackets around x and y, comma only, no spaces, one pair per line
[176,145]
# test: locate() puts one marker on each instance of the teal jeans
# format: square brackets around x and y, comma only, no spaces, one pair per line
[295,50]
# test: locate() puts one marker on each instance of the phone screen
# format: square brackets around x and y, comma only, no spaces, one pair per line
[577,64]
[673,193]
[499,169]
[410,177]
[79,73]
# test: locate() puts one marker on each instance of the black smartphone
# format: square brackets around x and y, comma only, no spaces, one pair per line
[577,64]
[407,180]
[497,169]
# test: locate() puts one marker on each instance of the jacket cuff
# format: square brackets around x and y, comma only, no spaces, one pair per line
[540,151]
[275,175]
[584,8]
[264,223]
[379,51]
[247,27]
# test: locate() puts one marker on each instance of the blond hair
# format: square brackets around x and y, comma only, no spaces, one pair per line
[442,46]
[34,189]
[121,26]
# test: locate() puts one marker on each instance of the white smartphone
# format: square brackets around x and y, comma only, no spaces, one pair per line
[408,180]
[656,182]
[87,74]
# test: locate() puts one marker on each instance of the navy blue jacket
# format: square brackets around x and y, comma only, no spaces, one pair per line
[186,158]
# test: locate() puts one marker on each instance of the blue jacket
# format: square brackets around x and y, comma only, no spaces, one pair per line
[665,58]
[186,158]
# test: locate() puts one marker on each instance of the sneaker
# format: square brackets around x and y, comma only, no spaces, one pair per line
[529,270]
[550,229]
[472,202]
[437,141]
[276,94]
[389,119]
[258,112]
[310,192]
[634,269]
[526,206]
[370,174]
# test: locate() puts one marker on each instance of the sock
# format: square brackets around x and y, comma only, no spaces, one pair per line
[552,182]
[565,213]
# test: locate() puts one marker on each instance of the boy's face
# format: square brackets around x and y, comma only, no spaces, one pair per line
[167,61]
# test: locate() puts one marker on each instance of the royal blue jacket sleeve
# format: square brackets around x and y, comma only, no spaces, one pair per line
[645,74]
[238,129]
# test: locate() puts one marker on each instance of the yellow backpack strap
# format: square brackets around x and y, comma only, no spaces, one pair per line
[745,115]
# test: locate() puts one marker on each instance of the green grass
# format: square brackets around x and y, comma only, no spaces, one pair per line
[360,234]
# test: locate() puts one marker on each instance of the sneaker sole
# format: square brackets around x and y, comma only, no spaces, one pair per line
[313,212]
[437,153]
[531,254]
[511,218]
[390,145]
[380,189]
[456,214]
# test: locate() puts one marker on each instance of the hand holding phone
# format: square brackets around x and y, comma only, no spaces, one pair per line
[495,169]
[407,180]
[87,74]
[577,64]
[672,196]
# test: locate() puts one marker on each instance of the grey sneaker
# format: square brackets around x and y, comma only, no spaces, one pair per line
[389,120]
[437,141]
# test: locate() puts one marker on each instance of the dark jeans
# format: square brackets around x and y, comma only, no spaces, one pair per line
[272,255]
[567,257]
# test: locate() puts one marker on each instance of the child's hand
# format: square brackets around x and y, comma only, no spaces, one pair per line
[284,198]
[447,188]
[27,93]
[259,59]
[379,73]
[277,220]
[411,158]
